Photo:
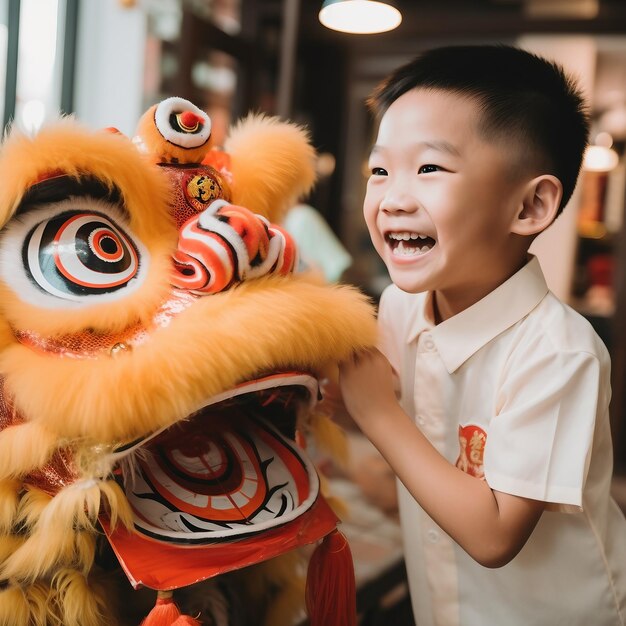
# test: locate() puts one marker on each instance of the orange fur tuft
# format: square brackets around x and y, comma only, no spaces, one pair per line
[40,554]
[295,325]
[81,603]
[31,506]
[38,597]
[8,545]
[273,164]
[73,149]
[6,334]
[9,501]
[64,531]
[25,447]
[14,607]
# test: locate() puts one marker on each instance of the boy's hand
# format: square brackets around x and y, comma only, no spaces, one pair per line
[367,386]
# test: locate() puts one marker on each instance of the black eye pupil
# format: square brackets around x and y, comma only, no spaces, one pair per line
[109,246]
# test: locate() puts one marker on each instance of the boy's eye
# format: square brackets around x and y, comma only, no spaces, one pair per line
[379,171]
[427,169]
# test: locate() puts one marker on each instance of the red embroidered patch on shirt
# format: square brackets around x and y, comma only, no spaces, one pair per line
[472,440]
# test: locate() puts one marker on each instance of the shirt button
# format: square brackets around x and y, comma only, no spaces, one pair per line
[421,420]
[429,344]
[432,536]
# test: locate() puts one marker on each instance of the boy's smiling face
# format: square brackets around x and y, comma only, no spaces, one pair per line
[441,200]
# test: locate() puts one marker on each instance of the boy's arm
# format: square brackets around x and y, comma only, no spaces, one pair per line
[490,526]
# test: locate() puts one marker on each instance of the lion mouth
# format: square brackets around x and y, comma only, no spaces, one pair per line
[228,471]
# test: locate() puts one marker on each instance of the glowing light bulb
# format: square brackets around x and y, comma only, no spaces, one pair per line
[359,16]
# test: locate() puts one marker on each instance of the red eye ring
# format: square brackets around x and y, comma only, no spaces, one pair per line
[96,239]
[74,270]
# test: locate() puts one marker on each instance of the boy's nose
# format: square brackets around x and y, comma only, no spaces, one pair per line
[397,201]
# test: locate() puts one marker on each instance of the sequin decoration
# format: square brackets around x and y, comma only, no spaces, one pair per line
[194,188]
[91,344]
[59,472]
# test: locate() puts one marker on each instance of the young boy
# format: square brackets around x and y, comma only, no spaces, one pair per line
[501,441]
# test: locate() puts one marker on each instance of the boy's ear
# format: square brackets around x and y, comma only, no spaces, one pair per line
[540,205]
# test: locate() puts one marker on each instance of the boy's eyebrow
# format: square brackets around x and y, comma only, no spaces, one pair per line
[438,144]
[442,146]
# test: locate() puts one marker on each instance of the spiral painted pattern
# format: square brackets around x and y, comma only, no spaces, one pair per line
[226,244]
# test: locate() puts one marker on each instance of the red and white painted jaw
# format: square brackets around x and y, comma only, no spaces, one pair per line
[230,470]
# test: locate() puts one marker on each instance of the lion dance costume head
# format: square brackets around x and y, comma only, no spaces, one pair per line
[159,368]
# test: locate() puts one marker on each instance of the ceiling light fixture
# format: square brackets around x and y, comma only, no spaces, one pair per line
[361,17]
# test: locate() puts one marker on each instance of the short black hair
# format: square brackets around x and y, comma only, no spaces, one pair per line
[522,97]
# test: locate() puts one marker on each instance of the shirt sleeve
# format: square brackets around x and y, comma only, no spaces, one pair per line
[539,442]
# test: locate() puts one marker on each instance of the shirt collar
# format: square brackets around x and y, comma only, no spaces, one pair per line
[461,336]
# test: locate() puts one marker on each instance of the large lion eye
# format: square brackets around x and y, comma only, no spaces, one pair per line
[75,250]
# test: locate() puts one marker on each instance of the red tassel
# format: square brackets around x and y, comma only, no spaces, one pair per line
[166,613]
[330,586]
[185,620]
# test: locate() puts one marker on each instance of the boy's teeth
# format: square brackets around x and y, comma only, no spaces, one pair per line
[403,250]
[406,243]
[406,236]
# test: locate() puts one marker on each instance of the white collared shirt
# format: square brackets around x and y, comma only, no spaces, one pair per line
[515,391]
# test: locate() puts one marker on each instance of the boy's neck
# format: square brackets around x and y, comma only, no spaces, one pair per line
[448,303]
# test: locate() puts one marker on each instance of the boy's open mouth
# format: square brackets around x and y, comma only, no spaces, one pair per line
[406,243]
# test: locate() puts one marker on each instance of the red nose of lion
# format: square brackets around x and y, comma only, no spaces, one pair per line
[189,121]
[226,244]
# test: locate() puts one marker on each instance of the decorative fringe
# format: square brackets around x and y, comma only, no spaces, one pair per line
[32,605]
[166,613]
[9,500]
[25,447]
[31,506]
[80,603]
[8,545]
[41,610]
[43,553]
[14,607]
[330,586]
[62,533]
[116,504]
